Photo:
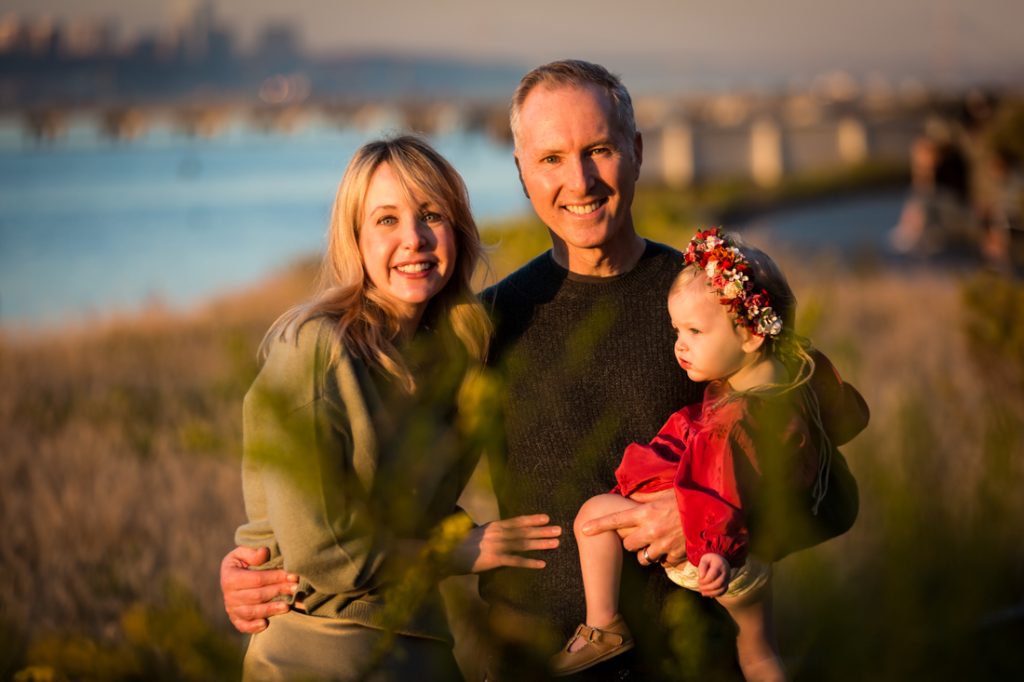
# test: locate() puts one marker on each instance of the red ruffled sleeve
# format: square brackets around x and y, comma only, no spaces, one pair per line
[652,467]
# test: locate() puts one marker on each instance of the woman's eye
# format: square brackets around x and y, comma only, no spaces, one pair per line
[387,220]
[431,217]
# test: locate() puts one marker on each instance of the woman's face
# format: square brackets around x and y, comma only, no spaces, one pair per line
[407,245]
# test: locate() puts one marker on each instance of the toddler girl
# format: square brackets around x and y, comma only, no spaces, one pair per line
[750,465]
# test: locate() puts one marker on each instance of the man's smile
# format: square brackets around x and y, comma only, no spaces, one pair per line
[585,209]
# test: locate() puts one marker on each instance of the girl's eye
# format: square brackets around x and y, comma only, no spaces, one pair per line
[693,331]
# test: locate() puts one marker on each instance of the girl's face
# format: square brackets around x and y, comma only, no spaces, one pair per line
[407,245]
[708,345]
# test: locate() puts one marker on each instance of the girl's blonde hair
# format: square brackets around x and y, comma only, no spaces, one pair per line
[366,324]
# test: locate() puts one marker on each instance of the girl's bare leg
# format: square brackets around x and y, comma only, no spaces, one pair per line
[600,561]
[756,647]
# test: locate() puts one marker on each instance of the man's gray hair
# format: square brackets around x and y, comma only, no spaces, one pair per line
[577,73]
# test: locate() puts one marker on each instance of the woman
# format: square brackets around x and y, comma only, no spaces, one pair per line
[351,460]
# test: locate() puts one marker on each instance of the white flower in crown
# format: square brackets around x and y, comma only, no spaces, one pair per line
[712,241]
[737,276]
[710,268]
[769,323]
[732,289]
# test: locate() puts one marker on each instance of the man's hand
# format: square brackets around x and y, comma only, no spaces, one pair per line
[501,543]
[654,525]
[248,594]
[713,575]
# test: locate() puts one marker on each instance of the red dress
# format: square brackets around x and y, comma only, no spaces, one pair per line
[734,463]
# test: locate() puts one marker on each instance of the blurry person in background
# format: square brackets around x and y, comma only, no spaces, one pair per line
[352,461]
[936,217]
[1002,211]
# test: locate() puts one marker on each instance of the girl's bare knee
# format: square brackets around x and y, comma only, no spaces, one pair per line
[598,506]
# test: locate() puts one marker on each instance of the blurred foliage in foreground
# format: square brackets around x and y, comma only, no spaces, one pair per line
[121,479]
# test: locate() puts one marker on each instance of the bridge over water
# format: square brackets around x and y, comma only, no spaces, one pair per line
[686,140]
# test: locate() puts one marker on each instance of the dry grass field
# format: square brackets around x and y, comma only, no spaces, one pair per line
[121,488]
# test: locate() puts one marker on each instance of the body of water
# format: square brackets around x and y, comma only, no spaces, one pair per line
[849,225]
[89,226]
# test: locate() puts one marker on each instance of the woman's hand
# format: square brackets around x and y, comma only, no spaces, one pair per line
[713,575]
[501,543]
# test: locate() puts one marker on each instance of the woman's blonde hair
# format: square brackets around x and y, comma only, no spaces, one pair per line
[367,325]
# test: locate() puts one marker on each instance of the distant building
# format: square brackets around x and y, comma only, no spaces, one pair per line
[87,38]
[12,33]
[280,43]
[194,22]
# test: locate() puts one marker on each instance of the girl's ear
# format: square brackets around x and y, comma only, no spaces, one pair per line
[751,342]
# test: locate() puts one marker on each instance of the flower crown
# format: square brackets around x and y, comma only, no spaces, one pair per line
[730,275]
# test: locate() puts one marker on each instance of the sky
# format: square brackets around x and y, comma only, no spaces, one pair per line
[736,42]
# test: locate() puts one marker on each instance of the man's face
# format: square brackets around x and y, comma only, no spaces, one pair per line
[576,168]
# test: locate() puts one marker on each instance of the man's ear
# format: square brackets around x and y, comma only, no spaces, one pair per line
[638,152]
[519,171]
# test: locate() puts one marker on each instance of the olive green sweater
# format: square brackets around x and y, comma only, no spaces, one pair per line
[338,462]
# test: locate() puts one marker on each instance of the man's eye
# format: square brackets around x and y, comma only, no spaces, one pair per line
[600,151]
[550,159]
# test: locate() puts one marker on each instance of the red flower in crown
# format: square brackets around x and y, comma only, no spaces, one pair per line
[730,275]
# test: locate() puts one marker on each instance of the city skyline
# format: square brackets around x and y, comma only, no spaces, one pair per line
[673,44]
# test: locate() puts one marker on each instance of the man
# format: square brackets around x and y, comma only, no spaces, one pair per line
[584,344]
